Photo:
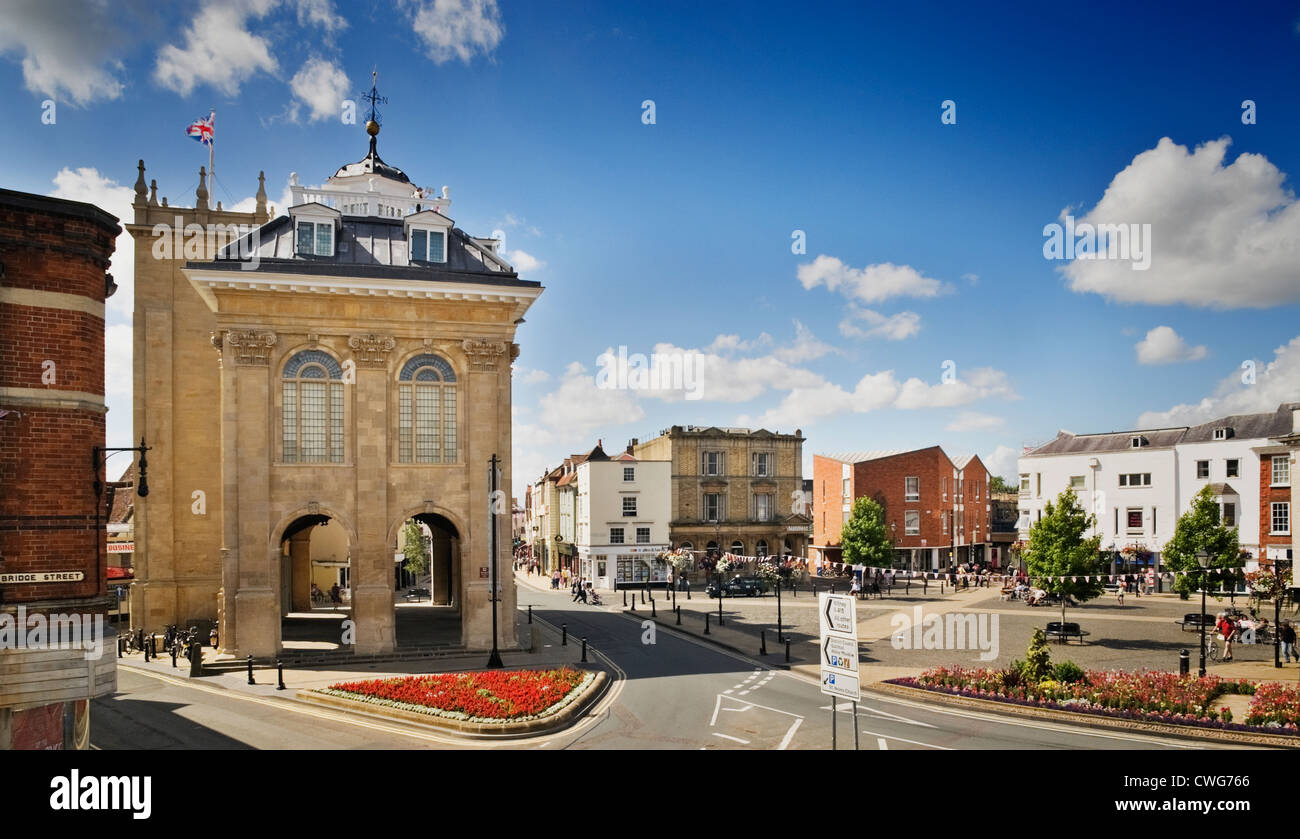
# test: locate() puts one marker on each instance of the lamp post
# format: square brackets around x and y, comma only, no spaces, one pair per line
[494,474]
[1203,560]
[98,458]
[893,540]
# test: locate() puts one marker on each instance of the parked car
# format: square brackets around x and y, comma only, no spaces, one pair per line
[417,594]
[739,586]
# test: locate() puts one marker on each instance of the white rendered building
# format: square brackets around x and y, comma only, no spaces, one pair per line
[624,506]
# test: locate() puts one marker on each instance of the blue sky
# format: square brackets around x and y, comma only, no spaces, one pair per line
[924,240]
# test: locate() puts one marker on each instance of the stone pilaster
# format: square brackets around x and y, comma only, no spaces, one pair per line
[372,558]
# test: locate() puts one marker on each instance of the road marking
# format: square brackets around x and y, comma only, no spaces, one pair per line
[883,737]
[880,741]
[789,735]
[743,693]
[729,737]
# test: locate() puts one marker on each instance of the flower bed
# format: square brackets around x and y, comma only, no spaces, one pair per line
[497,696]
[1152,696]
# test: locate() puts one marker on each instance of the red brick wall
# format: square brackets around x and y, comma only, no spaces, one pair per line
[828,499]
[1267,495]
[884,481]
[47,508]
[976,503]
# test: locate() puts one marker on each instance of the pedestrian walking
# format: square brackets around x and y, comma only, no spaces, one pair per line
[1119,595]
[1286,633]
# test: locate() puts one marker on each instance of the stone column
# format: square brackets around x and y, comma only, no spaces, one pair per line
[300,563]
[489,376]
[372,556]
[258,556]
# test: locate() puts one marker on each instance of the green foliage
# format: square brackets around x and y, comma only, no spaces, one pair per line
[413,547]
[1014,675]
[1038,659]
[996,484]
[1199,529]
[1058,548]
[1068,672]
[865,538]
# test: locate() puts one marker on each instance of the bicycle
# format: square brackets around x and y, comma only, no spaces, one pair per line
[1211,649]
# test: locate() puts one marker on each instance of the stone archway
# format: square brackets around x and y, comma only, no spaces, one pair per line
[313,549]
[429,612]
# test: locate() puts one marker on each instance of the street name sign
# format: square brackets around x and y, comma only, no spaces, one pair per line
[839,646]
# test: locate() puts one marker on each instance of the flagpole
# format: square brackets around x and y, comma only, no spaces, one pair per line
[212,169]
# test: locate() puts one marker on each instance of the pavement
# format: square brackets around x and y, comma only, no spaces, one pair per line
[669,690]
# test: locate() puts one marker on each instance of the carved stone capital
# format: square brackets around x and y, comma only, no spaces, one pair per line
[483,355]
[251,346]
[372,350]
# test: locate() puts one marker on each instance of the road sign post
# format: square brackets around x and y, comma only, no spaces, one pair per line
[839,656]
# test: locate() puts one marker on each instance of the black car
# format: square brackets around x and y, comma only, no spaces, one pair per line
[739,586]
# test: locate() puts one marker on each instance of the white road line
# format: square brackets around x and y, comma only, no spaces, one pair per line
[789,735]
[880,741]
[880,736]
[742,693]
[729,737]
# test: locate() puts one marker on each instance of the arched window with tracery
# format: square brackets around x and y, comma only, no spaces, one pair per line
[426,411]
[312,408]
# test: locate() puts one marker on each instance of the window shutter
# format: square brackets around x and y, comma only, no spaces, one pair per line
[722,463]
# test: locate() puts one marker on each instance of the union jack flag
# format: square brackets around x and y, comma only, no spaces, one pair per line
[202,129]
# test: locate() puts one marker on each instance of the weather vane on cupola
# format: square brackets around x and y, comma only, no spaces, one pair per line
[373,97]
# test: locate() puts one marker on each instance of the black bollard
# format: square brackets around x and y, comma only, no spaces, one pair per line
[925,585]
[794,590]
[642,596]
[652,607]
[632,607]
[584,649]
[146,650]
[787,652]
[688,589]
[139,639]
[719,608]
[251,680]
[678,610]
[564,635]
[1184,663]
[706,622]
[530,613]
[173,655]
[121,642]
[279,674]
[762,642]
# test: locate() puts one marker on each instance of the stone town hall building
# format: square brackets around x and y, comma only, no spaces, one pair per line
[350,368]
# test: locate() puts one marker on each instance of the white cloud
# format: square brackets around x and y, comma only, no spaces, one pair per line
[321,86]
[86,184]
[532,377]
[1165,346]
[320,13]
[67,47]
[973,279]
[118,372]
[891,327]
[1222,236]
[871,284]
[806,347]
[1002,461]
[524,262]
[456,29]
[1275,383]
[969,386]
[578,406]
[974,421]
[219,50]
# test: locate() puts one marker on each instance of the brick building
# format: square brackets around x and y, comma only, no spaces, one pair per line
[937,508]
[53,284]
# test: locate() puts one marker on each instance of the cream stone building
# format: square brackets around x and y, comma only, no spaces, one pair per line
[734,489]
[308,383]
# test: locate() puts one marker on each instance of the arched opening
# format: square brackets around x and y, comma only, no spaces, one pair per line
[315,583]
[761,548]
[738,548]
[426,581]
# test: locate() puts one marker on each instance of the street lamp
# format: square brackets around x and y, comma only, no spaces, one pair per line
[1203,559]
[494,476]
[893,539]
[99,459]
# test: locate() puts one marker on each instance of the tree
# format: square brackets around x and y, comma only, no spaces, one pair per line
[1058,548]
[1199,529]
[865,539]
[414,548]
[996,484]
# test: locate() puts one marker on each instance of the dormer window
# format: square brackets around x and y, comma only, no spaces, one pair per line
[315,238]
[1222,433]
[1137,442]
[428,245]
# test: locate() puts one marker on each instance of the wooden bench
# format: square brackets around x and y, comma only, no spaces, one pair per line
[1065,631]
[1195,620]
